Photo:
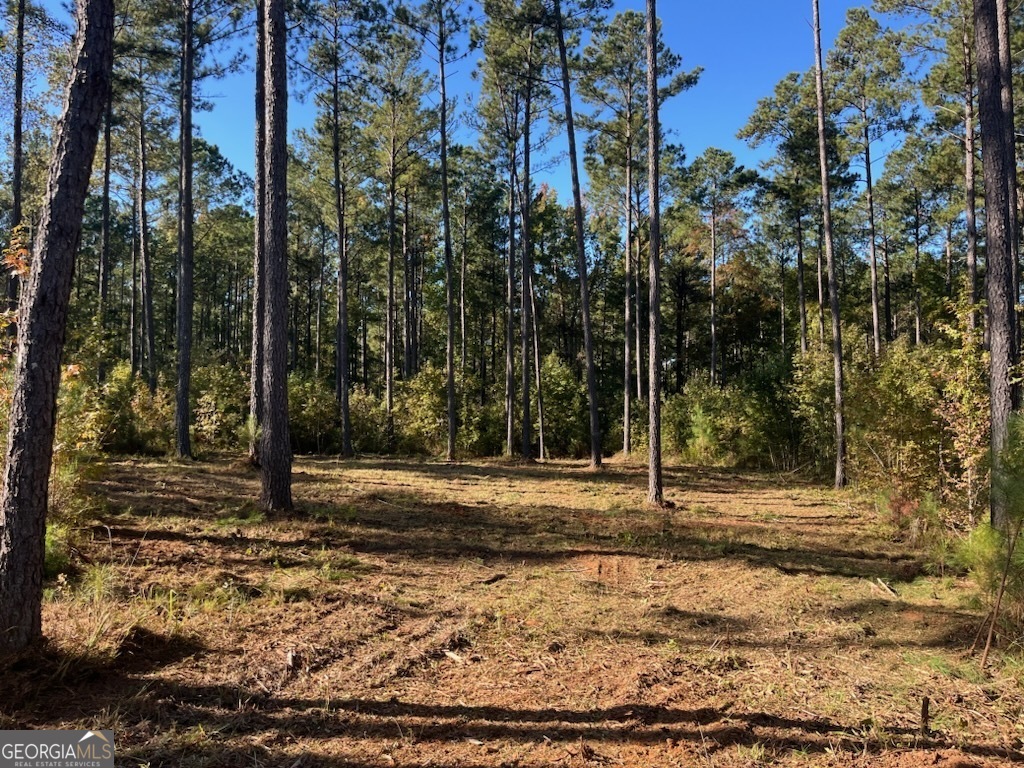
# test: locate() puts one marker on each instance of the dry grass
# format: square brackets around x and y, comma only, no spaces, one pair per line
[490,614]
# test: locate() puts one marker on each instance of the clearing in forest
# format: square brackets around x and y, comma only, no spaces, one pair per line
[488,614]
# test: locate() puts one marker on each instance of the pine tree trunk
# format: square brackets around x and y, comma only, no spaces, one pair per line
[510,295]
[17,149]
[42,329]
[148,318]
[542,453]
[259,248]
[103,276]
[833,283]
[446,222]
[581,252]
[341,370]
[876,322]
[801,291]
[627,263]
[998,167]
[714,296]
[275,445]
[389,321]
[185,300]
[525,204]
[970,174]
[655,493]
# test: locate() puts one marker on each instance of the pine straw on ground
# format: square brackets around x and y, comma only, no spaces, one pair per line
[490,614]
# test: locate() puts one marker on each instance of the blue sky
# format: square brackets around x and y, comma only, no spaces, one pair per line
[744,46]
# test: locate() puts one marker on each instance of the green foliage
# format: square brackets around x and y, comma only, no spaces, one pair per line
[420,413]
[812,397]
[964,409]
[121,416]
[313,414]
[894,432]
[222,405]
[566,415]
[735,425]
[369,422]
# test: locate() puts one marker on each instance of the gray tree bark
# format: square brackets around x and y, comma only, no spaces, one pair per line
[43,325]
[655,492]
[833,284]
[186,256]
[275,445]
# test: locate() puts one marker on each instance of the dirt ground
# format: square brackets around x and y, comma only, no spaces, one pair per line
[490,614]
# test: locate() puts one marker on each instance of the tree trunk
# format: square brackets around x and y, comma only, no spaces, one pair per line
[183,313]
[148,317]
[510,294]
[389,321]
[17,150]
[42,329]
[876,325]
[627,262]
[998,166]
[581,252]
[541,452]
[446,222]
[256,397]
[714,295]
[821,288]
[275,445]
[341,371]
[525,204]
[801,291]
[103,276]
[970,185]
[833,284]
[655,493]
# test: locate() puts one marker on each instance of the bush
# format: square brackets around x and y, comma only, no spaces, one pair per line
[894,432]
[566,412]
[222,405]
[369,422]
[314,416]
[735,425]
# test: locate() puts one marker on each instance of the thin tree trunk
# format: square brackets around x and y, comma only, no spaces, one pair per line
[275,446]
[821,289]
[148,317]
[133,308]
[510,340]
[341,371]
[105,259]
[833,284]
[17,150]
[641,391]
[655,493]
[389,322]
[259,248]
[714,295]
[627,262]
[581,253]
[801,291]
[970,184]
[183,314]
[542,453]
[876,325]
[462,282]
[446,222]
[42,329]
[525,204]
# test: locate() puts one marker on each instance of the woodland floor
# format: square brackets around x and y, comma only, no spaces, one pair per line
[489,614]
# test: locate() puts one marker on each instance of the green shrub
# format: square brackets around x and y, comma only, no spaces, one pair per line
[735,425]
[369,422]
[314,417]
[221,406]
[566,412]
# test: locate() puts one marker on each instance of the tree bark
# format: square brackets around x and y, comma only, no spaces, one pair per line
[525,204]
[801,291]
[581,252]
[627,263]
[998,167]
[275,445]
[259,247]
[446,222]
[876,326]
[510,294]
[833,283]
[43,325]
[655,492]
[183,313]
[148,325]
